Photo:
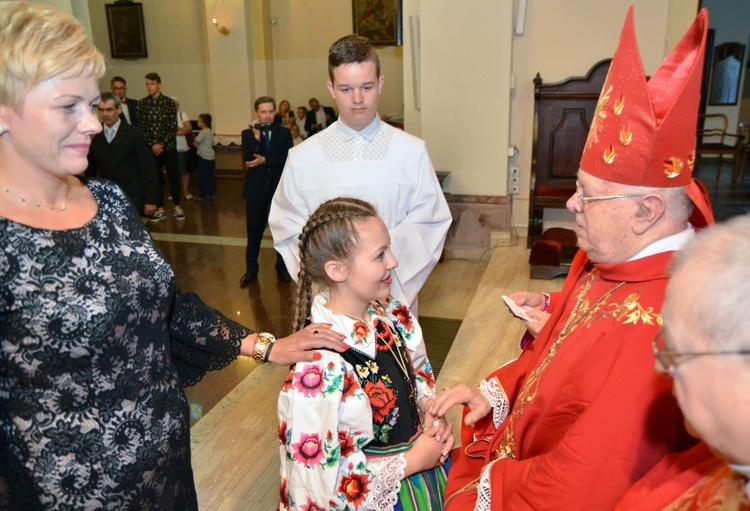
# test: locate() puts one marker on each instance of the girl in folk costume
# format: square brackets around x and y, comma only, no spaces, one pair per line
[353,429]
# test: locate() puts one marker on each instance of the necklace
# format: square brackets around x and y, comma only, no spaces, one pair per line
[62,206]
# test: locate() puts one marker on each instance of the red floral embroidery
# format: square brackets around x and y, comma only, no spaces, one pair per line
[288,382]
[282,432]
[384,335]
[311,506]
[403,316]
[283,495]
[354,486]
[428,377]
[361,331]
[349,386]
[309,450]
[346,443]
[309,379]
[382,400]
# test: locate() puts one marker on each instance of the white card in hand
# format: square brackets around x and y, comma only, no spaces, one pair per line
[518,310]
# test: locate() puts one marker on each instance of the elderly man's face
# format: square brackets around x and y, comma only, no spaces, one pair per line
[604,228]
[713,391]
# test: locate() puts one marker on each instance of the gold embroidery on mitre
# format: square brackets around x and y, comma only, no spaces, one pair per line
[691,161]
[619,104]
[673,167]
[596,122]
[609,155]
[626,135]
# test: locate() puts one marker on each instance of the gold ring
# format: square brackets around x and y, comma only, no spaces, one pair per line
[315,333]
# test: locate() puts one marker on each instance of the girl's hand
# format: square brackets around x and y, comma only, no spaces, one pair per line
[427,453]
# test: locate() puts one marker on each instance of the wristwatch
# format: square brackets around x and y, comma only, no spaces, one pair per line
[261,346]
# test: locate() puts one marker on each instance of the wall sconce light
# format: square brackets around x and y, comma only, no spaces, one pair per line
[222,30]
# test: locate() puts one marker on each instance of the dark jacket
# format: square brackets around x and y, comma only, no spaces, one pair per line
[311,119]
[260,181]
[127,161]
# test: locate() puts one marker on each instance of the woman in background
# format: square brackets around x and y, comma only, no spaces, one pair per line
[284,116]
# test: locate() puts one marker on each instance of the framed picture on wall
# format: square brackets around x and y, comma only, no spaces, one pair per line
[378,20]
[127,37]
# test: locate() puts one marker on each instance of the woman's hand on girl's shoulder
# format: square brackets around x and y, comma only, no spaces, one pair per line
[296,347]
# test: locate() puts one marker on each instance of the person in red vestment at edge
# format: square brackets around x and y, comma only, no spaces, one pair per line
[581,415]
[703,345]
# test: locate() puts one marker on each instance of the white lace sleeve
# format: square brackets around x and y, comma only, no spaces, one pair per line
[495,394]
[484,490]
[389,471]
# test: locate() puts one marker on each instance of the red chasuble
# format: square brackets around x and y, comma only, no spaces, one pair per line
[690,481]
[589,415]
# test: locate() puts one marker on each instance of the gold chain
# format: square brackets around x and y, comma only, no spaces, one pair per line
[62,207]
[527,394]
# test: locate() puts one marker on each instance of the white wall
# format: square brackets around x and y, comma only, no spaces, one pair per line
[465,72]
[175,41]
[302,33]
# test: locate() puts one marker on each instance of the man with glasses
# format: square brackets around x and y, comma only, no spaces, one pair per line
[704,346]
[120,153]
[129,105]
[581,415]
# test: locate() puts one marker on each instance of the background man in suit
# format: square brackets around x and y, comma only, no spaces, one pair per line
[264,147]
[129,106]
[318,117]
[120,153]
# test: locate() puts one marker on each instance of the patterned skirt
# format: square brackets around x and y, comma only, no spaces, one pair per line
[423,491]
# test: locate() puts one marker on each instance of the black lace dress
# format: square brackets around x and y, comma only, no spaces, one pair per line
[95,345]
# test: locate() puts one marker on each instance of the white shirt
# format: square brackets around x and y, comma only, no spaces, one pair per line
[126,112]
[181,141]
[320,116]
[381,164]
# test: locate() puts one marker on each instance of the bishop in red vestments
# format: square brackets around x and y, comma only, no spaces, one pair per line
[581,415]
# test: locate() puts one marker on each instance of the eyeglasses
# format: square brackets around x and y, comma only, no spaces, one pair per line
[583,199]
[669,359]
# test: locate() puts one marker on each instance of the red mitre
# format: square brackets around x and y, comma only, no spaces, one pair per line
[644,133]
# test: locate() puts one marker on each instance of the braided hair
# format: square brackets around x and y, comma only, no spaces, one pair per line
[329,234]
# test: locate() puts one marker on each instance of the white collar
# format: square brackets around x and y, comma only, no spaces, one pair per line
[368,132]
[345,324]
[673,242]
